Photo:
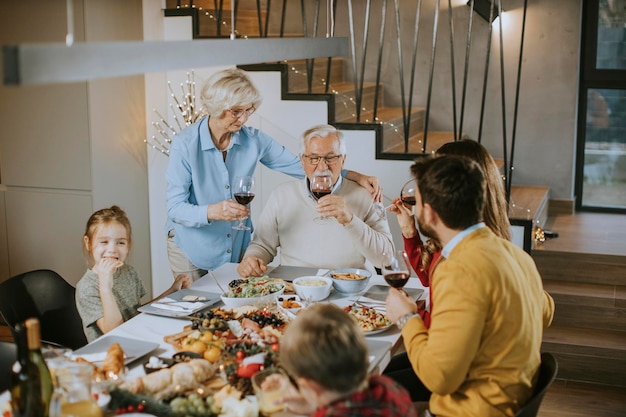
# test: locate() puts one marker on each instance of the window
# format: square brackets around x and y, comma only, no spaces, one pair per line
[601,155]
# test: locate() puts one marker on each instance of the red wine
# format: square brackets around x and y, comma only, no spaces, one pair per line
[320,194]
[409,200]
[397,279]
[244,198]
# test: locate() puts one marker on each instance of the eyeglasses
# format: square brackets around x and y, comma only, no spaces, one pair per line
[329,159]
[237,113]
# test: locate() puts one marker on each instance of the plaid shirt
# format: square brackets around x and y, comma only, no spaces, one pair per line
[382,398]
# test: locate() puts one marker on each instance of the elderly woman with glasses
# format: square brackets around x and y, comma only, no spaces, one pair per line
[205,158]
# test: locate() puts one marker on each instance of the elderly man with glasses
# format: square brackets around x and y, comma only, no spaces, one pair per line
[354,233]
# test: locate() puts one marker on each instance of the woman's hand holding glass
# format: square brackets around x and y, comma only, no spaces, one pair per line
[227,210]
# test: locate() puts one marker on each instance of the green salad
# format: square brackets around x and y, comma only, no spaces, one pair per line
[254,287]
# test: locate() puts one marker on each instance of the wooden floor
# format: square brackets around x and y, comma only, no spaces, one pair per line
[585,233]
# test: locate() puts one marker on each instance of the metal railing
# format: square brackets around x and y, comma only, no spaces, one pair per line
[367,36]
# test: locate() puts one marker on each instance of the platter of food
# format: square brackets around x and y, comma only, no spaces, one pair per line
[181,303]
[370,321]
[253,291]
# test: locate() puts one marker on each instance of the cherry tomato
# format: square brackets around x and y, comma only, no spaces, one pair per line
[275,347]
[248,370]
[240,354]
[141,407]
[130,408]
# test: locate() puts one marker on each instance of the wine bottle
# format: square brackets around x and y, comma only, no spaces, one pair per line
[31,385]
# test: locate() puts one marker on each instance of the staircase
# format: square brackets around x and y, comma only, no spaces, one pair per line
[588,334]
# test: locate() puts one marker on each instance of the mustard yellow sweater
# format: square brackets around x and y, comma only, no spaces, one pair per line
[482,352]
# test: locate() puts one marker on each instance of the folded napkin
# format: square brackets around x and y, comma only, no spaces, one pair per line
[173,305]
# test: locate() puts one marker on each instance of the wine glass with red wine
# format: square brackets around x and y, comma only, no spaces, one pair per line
[244,194]
[396,269]
[407,194]
[321,184]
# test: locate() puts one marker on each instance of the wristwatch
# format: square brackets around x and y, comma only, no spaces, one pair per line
[402,320]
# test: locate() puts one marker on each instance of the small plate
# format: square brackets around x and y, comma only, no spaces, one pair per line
[294,298]
[133,349]
[205,299]
[378,330]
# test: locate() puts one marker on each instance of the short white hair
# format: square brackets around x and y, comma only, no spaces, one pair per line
[229,88]
[322,131]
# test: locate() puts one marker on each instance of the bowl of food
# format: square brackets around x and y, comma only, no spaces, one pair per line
[350,280]
[253,291]
[290,303]
[313,288]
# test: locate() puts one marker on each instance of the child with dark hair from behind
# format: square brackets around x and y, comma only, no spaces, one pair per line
[326,354]
[110,291]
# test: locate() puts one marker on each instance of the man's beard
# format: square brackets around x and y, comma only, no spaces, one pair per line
[425,229]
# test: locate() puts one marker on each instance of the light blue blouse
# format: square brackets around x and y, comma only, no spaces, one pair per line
[198,176]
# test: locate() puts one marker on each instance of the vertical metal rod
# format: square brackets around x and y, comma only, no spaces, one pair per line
[503,97]
[69,37]
[329,62]
[432,72]
[218,17]
[468,46]
[328,18]
[282,18]
[259,18]
[452,66]
[407,127]
[353,50]
[359,97]
[305,31]
[401,71]
[487,56]
[381,40]
[515,112]
[233,19]
[267,17]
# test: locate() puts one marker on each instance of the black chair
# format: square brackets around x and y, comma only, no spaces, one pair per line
[43,294]
[8,355]
[547,374]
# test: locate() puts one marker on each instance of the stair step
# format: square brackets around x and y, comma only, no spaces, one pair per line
[587,305]
[434,140]
[588,355]
[529,203]
[584,268]
[298,81]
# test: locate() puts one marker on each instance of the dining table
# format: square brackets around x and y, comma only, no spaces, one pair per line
[149,331]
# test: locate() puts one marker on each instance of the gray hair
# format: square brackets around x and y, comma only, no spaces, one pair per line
[322,131]
[227,89]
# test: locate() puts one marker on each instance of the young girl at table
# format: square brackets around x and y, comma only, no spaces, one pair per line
[325,352]
[110,291]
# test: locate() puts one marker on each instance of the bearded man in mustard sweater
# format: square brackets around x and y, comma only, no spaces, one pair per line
[481,355]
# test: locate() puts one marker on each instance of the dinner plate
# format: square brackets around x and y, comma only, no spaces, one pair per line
[133,349]
[175,306]
[378,330]
[379,292]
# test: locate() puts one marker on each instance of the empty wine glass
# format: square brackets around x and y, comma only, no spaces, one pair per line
[396,268]
[243,193]
[321,184]
[407,194]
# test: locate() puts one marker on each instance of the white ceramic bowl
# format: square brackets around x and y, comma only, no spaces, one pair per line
[233,302]
[313,288]
[350,286]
